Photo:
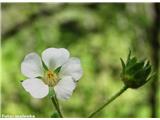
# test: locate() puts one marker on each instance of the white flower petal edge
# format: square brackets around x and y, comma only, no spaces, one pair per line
[35,87]
[31,66]
[72,68]
[55,57]
[64,88]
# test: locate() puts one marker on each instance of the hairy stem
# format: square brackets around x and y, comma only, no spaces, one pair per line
[109,101]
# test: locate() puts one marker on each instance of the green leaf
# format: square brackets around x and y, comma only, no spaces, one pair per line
[39,77]
[58,69]
[151,77]
[123,64]
[137,66]
[132,61]
[129,55]
[147,71]
[147,64]
[44,66]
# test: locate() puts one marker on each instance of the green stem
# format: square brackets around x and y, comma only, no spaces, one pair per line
[56,105]
[109,101]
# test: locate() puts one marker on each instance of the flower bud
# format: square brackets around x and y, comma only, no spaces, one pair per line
[135,73]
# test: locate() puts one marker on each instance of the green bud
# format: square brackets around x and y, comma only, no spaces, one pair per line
[135,73]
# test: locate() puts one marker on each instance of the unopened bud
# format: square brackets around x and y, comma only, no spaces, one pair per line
[135,73]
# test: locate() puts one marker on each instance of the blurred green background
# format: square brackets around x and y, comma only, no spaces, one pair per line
[99,34]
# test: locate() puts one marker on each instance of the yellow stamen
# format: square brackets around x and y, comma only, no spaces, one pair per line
[50,78]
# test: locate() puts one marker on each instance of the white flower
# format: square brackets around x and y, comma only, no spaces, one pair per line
[39,80]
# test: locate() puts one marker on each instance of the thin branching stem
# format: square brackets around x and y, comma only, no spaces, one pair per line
[109,101]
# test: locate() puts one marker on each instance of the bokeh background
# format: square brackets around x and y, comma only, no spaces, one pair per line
[99,34]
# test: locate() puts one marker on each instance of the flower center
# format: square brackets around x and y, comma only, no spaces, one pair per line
[50,78]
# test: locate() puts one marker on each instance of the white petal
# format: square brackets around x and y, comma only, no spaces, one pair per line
[64,88]
[72,68]
[32,66]
[35,87]
[55,57]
